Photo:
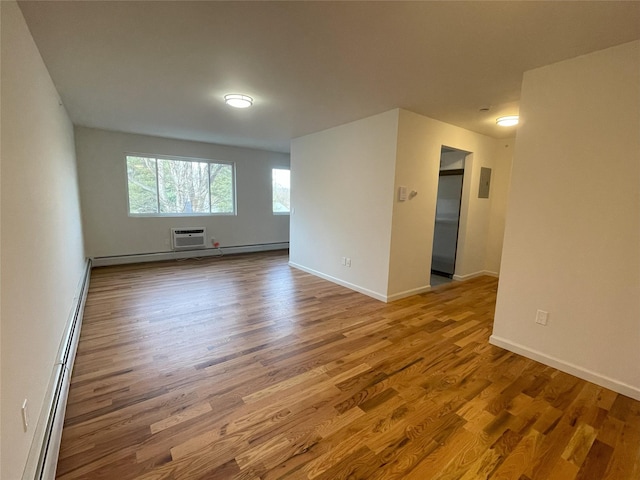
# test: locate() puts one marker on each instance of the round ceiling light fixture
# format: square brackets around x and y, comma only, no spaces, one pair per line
[238,100]
[508,121]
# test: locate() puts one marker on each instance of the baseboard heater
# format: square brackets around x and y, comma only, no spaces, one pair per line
[43,454]
[188,238]
[186,253]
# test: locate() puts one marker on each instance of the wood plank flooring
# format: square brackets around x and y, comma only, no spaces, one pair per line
[244,368]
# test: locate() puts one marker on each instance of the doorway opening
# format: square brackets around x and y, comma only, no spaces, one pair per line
[447,223]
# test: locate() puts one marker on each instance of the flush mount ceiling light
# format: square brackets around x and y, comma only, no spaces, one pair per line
[508,121]
[238,100]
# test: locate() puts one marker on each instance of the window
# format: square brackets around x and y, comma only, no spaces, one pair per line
[281,190]
[172,186]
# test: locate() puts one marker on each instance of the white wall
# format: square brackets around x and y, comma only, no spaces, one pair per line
[2,21]
[573,224]
[344,185]
[499,195]
[418,162]
[342,193]
[42,257]
[110,231]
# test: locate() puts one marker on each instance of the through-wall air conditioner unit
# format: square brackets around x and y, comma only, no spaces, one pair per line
[188,238]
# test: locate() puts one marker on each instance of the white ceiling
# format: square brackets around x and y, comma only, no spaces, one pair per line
[162,68]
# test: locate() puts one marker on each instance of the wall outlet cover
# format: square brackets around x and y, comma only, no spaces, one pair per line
[542,317]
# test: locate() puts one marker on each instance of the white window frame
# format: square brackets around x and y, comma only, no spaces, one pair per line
[181,159]
[289,170]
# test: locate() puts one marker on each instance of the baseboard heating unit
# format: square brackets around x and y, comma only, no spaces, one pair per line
[43,454]
[187,253]
[188,238]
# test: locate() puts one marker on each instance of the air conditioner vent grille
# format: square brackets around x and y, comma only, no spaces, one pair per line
[188,238]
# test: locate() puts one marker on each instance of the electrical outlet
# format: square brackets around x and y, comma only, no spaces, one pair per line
[542,317]
[25,415]
[348,264]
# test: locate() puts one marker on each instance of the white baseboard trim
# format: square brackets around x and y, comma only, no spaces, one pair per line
[203,252]
[43,455]
[408,293]
[352,286]
[475,274]
[576,370]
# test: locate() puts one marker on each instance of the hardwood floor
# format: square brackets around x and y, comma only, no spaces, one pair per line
[244,368]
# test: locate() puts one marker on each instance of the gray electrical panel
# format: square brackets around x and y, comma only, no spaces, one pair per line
[485,182]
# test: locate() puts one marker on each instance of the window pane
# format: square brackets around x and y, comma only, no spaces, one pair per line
[183,187]
[221,188]
[143,194]
[281,190]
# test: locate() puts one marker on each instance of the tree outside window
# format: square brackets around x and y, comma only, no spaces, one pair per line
[281,190]
[169,186]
